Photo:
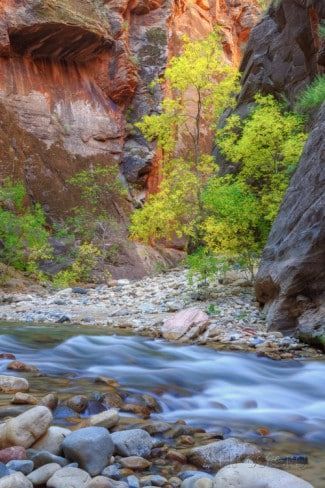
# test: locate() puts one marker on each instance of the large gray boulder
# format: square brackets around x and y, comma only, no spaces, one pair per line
[133,442]
[218,454]
[90,447]
[248,475]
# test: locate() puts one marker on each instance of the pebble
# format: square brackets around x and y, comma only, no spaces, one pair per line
[69,478]
[16,480]
[23,466]
[12,454]
[135,462]
[40,458]
[112,471]
[133,442]
[41,475]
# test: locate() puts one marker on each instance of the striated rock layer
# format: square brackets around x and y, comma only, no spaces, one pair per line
[283,55]
[75,75]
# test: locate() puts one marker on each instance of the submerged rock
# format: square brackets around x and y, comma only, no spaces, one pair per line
[248,475]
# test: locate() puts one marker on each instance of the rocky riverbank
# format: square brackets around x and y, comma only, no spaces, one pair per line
[88,442]
[230,316]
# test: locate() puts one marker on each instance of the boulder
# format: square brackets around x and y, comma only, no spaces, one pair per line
[248,475]
[69,478]
[24,466]
[218,454]
[91,448]
[186,324]
[25,429]
[40,458]
[21,398]
[52,440]
[12,384]
[100,482]
[12,453]
[16,480]
[135,462]
[41,475]
[107,419]
[133,442]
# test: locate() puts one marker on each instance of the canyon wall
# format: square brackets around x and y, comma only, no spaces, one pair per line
[283,55]
[75,76]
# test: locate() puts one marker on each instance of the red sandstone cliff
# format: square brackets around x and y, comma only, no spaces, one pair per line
[75,74]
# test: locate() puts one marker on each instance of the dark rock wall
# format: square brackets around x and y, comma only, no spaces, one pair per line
[284,54]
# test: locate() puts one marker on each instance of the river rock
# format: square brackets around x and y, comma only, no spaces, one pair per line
[12,384]
[52,440]
[69,478]
[40,458]
[24,466]
[21,398]
[19,366]
[107,419]
[90,447]
[248,475]
[197,482]
[133,442]
[218,454]
[25,429]
[41,475]
[186,324]
[78,403]
[15,480]
[12,453]
[50,401]
[100,482]
[153,480]
[135,462]
[4,471]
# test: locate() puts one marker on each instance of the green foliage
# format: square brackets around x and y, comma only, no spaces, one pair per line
[241,207]
[86,258]
[202,84]
[205,265]
[321,30]
[97,187]
[23,233]
[313,96]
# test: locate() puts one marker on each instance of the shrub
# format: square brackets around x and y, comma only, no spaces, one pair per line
[87,256]
[23,233]
[313,96]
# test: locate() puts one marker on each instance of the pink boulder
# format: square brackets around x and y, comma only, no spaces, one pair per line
[185,325]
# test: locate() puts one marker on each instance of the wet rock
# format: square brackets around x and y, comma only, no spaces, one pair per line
[218,454]
[24,399]
[12,384]
[100,482]
[25,429]
[78,403]
[112,471]
[90,447]
[64,412]
[135,462]
[69,478]
[12,453]
[133,482]
[133,442]
[19,366]
[4,470]
[16,480]
[176,456]
[153,480]
[108,419]
[197,482]
[23,466]
[186,324]
[40,458]
[247,475]
[41,475]
[50,401]
[52,440]
[156,427]
[112,399]
[7,355]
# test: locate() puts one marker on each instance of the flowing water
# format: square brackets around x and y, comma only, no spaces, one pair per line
[235,393]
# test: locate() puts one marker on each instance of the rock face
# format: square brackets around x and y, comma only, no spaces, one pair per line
[75,74]
[283,55]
